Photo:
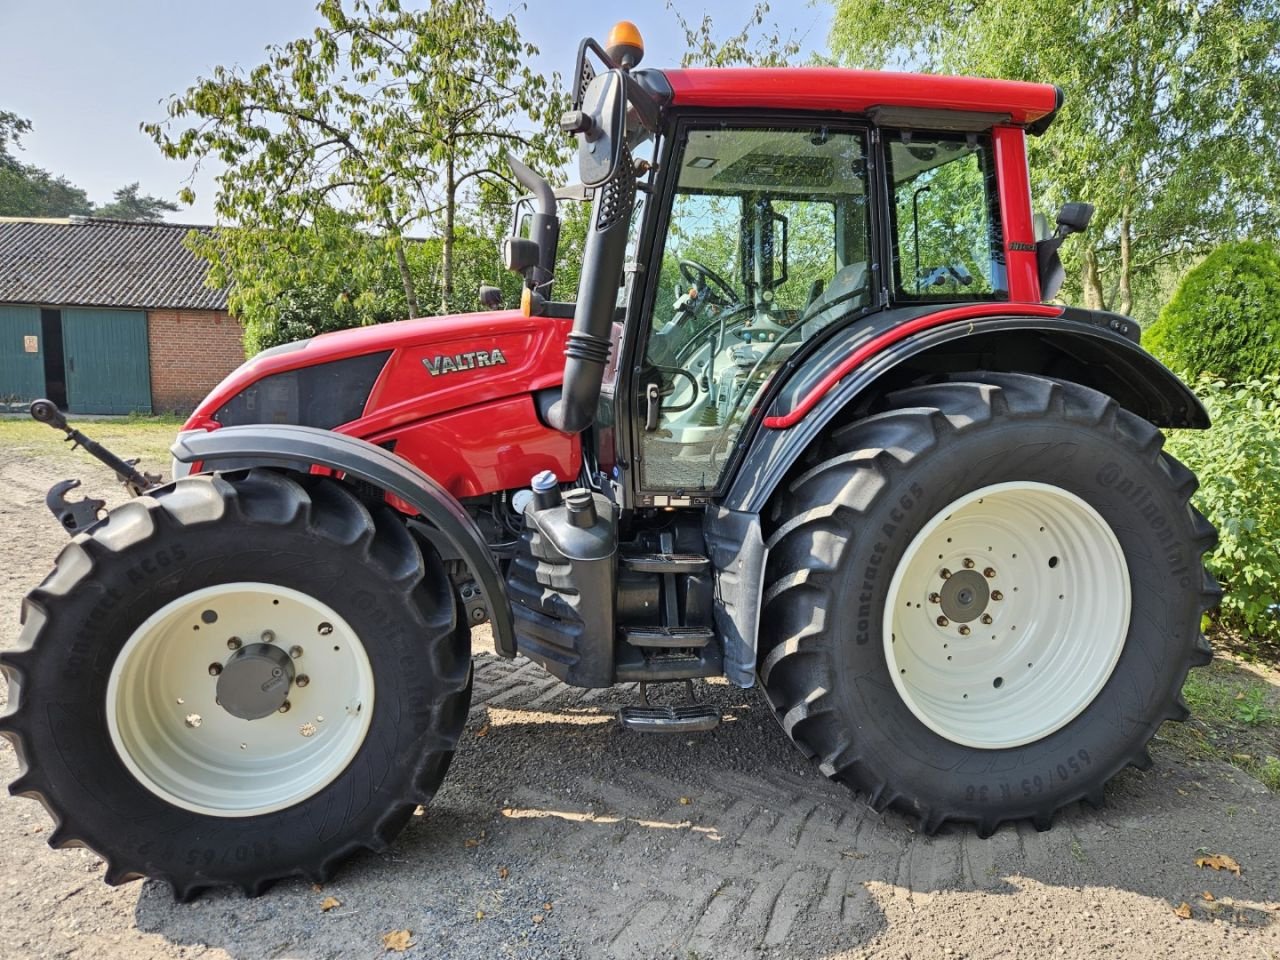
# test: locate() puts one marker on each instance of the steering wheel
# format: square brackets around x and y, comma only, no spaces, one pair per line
[703,277]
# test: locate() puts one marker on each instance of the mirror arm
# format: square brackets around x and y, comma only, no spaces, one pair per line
[544,225]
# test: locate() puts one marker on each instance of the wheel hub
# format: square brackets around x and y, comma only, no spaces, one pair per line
[964,596]
[185,682]
[255,680]
[1006,614]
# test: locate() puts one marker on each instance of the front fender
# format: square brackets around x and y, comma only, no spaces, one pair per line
[1097,350]
[294,447]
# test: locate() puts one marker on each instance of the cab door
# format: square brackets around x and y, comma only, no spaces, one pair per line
[765,241]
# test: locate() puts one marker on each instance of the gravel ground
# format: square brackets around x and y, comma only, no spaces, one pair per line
[559,835]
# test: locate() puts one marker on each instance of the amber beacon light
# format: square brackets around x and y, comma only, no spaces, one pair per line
[625,46]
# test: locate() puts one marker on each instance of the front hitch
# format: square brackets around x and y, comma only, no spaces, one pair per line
[81,514]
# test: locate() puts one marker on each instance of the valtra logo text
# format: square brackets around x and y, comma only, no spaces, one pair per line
[439,365]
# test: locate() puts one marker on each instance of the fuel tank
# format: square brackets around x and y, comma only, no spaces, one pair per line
[457,396]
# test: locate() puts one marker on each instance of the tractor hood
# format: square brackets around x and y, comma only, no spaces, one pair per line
[368,380]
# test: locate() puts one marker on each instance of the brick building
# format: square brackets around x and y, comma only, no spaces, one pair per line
[109,316]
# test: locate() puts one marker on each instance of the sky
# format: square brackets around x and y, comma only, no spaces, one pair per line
[86,73]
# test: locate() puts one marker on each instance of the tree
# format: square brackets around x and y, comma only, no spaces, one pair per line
[1224,318]
[128,205]
[752,45]
[28,191]
[1168,126]
[389,115]
[286,285]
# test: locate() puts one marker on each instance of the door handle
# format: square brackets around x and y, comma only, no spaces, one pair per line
[653,407]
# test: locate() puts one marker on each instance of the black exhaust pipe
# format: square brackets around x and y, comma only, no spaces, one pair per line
[587,350]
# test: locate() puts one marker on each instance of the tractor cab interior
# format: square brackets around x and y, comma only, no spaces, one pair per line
[766,242]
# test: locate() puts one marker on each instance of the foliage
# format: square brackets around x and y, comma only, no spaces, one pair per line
[1168,125]
[394,116]
[28,191]
[128,205]
[288,285]
[1224,318]
[752,45]
[1238,463]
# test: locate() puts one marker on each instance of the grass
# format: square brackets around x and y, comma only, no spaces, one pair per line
[1235,718]
[145,437]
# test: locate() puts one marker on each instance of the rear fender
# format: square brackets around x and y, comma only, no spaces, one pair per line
[1097,350]
[294,447]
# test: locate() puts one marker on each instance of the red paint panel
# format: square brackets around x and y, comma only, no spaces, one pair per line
[901,332]
[532,353]
[486,448]
[1015,208]
[856,91]
[533,348]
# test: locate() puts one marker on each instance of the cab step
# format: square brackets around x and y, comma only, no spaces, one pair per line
[666,562]
[666,638]
[680,718]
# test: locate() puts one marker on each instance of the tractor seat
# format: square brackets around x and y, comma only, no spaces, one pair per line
[848,288]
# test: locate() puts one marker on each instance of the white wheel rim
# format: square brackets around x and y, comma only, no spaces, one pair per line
[170,732]
[1058,604]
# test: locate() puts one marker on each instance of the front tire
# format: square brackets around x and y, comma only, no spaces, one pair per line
[235,679]
[985,599]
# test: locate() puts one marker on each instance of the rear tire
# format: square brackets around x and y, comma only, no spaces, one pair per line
[114,705]
[928,706]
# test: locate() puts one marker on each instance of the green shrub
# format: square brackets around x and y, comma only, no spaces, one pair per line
[1238,463]
[1224,318]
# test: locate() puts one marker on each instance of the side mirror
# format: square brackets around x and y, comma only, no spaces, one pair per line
[520,255]
[601,127]
[1074,217]
[490,297]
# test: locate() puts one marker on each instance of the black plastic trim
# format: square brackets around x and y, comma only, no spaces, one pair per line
[1041,125]
[287,445]
[1151,390]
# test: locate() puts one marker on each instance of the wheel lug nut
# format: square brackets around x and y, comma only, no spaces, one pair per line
[997,595]
[986,618]
[946,574]
[268,636]
[285,707]
[302,680]
[215,669]
[325,629]
[935,598]
[295,652]
[989,573]
[968,564]
[943,621]
[233,643]
[964,630]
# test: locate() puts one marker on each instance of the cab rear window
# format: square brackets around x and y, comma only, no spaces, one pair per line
[947,241]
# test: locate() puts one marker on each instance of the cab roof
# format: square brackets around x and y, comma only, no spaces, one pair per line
[1030,105]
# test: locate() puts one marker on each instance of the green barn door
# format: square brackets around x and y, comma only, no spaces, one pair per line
[108,363]
[21,369]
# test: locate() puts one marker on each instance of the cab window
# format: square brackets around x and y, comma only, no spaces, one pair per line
[946,233]
[766,245]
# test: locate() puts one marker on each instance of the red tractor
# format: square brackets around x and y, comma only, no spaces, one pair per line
[809,420]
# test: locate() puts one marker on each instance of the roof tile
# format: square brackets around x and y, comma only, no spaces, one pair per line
[103,263]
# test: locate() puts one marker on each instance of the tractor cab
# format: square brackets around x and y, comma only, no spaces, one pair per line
[745,237]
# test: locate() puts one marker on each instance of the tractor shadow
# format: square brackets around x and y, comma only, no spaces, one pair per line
[559,834]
